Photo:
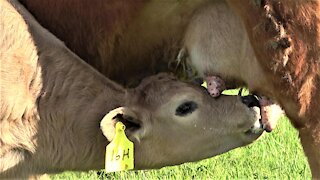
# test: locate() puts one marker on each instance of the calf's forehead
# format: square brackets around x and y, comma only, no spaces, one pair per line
[163,87]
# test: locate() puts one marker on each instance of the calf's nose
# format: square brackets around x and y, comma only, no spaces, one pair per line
[250,101]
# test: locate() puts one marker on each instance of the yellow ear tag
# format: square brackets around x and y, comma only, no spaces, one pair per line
[119,152]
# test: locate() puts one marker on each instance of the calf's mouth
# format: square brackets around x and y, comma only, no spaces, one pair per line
[252,102]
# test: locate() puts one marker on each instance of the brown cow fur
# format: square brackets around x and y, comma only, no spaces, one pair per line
[286,39]
[113,35]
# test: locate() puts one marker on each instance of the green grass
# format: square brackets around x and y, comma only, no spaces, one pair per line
[276,155]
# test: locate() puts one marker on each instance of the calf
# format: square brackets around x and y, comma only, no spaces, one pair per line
[52,104]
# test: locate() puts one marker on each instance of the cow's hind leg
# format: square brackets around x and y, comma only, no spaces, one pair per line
[310,139]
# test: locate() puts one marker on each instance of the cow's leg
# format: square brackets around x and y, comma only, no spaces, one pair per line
[310,140]
[215,85]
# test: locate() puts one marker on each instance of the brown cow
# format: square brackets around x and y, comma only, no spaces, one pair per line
[285,35]
[286,41]
[52,104]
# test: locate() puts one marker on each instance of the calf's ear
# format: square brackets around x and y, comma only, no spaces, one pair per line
[122,114]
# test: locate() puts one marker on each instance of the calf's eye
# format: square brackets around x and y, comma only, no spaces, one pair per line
[186,108]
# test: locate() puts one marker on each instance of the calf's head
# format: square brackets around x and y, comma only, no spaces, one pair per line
[172,122]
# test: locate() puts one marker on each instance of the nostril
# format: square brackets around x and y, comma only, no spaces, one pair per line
[250,101]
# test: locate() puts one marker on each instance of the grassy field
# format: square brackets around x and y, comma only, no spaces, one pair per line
[276,155]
